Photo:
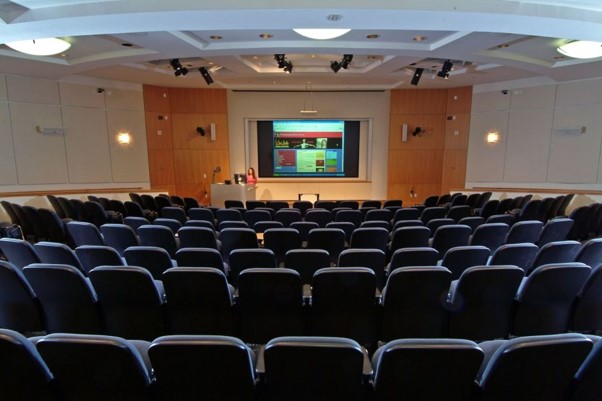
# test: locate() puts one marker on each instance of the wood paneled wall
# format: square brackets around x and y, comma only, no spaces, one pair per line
[182,161]
[435,161]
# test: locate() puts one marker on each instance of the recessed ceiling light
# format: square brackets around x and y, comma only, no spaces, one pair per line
[419,38]
[373,36]
[215,37]
[321,34]
[127,44]
[371,57]
[559,58]
[266,36]
[581,49]
[334,17]
[40,47]
[503,46]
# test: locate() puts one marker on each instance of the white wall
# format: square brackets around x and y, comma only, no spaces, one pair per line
[87,154]
[534,151]
[368,106]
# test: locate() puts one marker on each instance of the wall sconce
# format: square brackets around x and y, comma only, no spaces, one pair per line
[124,138]
[493,137]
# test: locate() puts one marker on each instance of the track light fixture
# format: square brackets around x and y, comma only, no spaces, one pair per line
[283,63]
[177,67]
[206,75]
[447,66]
[280,59]
[344,63]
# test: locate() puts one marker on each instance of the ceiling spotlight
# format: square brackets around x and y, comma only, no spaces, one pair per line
[335,66]
[177,67]
[346,60]
[206,75]
[288,67]
[280,59]
[447,66]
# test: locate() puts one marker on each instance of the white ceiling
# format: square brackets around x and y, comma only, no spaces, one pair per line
[488,40]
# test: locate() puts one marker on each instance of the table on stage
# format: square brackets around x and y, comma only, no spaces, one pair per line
[223,192]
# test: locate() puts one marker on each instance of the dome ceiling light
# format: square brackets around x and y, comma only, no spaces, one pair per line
[321,34]
[581,49]
[40,47]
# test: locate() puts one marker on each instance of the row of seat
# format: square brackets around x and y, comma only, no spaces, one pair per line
[72,367]
[487,302]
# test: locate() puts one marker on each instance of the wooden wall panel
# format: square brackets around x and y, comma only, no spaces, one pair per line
[454,169]
[436,161]
[161,167]
[432,138]
[181,161]
[418,101]
[416,166]
[156,99]
[186,136]
[459,100]
[197,101]
[158,131]
[197,165]
[456,131]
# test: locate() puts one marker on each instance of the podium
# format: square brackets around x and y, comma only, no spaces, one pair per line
[223,192]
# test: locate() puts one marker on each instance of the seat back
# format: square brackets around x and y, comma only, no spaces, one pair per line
[536,368]
[153,259]
[524,231]
[54,226]
[447,237]
[413,256]
[306,262]
[491,235]
[158,236]
[19,307]
[280,241]
[407,369]
[372,258]
[544,300]
[344,304]
[319,216]
[287,216]
[586,314]
[200,257]
[175,213]
[590,253]
[410,237]
[197,237]
[520,255]
[370,237]
[237,238]
[24,376]
[241,259]
[84,233]
[481,303]
[460,258]
[200,301]
[79,360]
[331,240]
[226,373]
[55,253]
[130,303]
[555,252]
[18,252]
[119,236]
[92,256]
[68,301]
[413,303]
[269,304]
[326,369]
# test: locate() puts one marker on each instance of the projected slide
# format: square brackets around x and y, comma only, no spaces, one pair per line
[308,147]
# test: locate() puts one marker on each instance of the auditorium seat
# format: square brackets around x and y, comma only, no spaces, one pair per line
[97,367]
[426,370]
[227,370]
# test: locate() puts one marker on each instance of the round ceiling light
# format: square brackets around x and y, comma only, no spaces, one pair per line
[40,47]
[321,34]
[581,49]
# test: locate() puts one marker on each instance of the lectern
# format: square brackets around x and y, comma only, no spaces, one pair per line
[223,192]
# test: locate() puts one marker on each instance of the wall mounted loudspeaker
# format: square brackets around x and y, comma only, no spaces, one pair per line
[213,137]
[417,75]
[404,133]
[200,130]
